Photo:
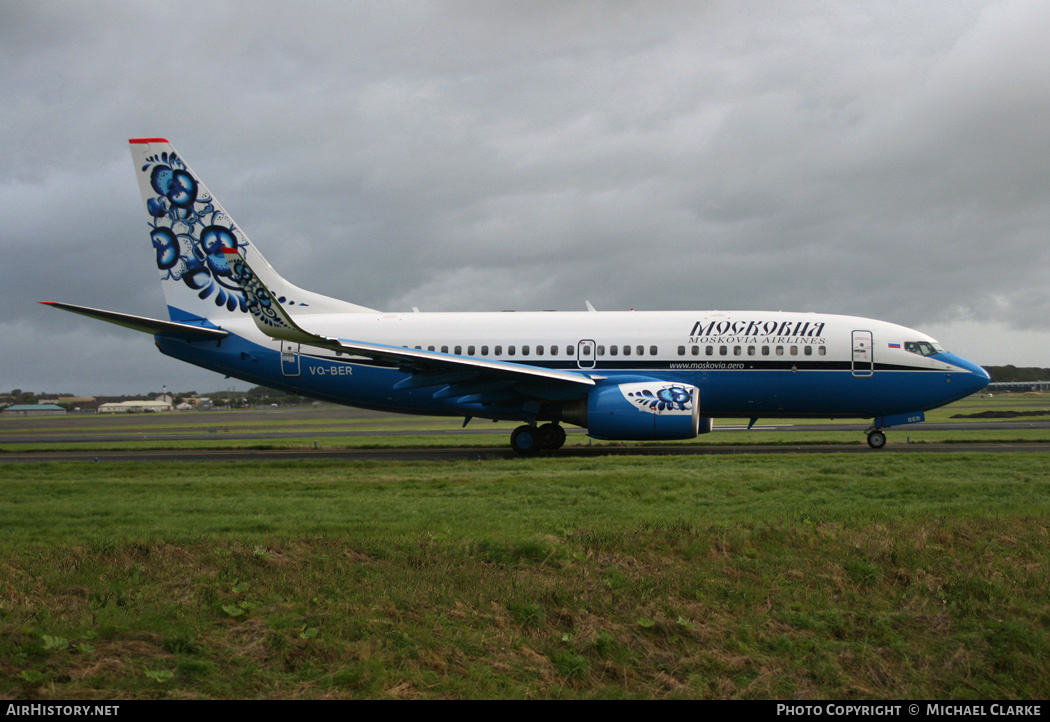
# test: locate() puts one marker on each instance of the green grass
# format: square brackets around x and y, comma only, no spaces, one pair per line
[202,422]
[830,576]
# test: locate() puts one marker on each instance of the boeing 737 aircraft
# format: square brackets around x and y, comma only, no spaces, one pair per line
[619,375]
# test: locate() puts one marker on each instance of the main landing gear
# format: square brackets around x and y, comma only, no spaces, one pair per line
[529,439]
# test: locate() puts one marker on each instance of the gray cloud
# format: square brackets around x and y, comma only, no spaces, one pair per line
[884,159]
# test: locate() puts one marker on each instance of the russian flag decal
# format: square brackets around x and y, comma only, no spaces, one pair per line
[895,345]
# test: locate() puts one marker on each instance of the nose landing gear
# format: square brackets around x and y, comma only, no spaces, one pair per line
[876,433]
[876,438]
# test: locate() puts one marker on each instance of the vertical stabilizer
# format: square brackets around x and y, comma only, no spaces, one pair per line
[189,230]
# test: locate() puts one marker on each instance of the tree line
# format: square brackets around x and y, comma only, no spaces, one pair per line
[1017,373]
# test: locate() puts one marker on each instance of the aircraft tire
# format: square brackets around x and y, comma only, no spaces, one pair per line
[876,439]
[551,436]
[525,440]
[560,440]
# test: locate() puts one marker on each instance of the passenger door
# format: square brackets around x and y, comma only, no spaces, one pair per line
[289,358]
[863,354]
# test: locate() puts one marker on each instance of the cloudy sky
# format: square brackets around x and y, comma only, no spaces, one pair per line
[885,159]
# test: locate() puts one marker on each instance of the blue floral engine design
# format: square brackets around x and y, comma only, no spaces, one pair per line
[189,231]
[670,397]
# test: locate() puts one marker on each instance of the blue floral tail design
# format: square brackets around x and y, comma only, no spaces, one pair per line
[190,233]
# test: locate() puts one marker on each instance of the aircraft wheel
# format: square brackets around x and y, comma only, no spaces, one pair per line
[551,436]
[876,439]
[525,440]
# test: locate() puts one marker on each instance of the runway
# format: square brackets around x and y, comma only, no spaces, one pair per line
[308,436]
[484,453]
[308,426]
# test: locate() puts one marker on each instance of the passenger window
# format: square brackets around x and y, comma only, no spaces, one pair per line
[639,351]
[737,350]
[808,350]
[539,350]
[794,350]
[750,350]
[499,350]
[723,350]
[710,350]
[459,350]
[653,351]
[444,349]
[525,350]
[430,348]
[470,350]
[484,350]
[780,350]
[822,351]
[511,350]
[696,350]
[681,350]
[613,350]
[626,350]
[765,350]
[568,350]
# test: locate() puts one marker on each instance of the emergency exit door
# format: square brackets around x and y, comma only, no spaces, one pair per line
[585,354]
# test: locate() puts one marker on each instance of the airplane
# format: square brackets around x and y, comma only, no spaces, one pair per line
[621,375]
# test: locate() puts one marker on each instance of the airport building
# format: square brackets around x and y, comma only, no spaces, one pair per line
[135,407]
[33,410]
[1017,386]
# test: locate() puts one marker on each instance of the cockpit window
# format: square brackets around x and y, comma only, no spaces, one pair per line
[923,348]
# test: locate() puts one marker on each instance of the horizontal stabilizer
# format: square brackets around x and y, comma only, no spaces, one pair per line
[141,323]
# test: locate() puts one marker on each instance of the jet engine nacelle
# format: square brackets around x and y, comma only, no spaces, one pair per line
[641,411]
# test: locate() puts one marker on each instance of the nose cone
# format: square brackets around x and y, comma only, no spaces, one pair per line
[970,376]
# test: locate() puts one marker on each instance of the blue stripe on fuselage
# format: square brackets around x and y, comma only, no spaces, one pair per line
[723,392]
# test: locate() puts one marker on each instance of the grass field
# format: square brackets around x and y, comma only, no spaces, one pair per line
[795,576]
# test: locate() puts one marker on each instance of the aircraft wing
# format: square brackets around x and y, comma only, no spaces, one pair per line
[478,379]
[142,323]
